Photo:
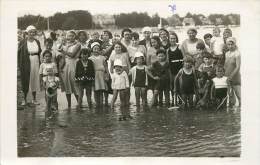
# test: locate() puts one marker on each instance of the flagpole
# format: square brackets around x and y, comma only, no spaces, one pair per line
[48,23]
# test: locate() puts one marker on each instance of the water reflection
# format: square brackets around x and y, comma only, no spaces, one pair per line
[151,132]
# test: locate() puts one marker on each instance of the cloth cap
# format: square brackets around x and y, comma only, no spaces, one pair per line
[147,29]
[232,39]
[118,63]
[30,27]
[94,44]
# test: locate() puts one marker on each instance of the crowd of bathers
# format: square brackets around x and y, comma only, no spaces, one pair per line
[195,73]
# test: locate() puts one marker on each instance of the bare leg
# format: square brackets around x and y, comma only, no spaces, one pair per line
[167,97]
[115,93]
[68,96]
[25,98]
[127,95]
[155,95]
[185,99]
[88,95]
[137,95]
[101,98]
[34,96]
[190,99]
[80,96]
[106,98]
[144,96]
[237,90]
[77,96]
[160,98]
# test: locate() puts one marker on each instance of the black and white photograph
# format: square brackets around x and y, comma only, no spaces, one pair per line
[122,79]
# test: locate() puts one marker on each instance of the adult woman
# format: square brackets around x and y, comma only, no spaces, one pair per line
[135,47]
[82,38]
[175,58]
[106,43]
[188,46]
[232,67]
[126,37]
[146,42]
[119,52]
[164,36]
[152,58]
[151,53]
[226,33]
[71,51]
[29,51]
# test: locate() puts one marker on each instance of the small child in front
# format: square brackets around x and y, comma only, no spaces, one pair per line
[49,80]
[120,83]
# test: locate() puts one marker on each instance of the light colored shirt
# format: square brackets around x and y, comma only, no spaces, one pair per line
[217,44]
[119,81]
[32,47]
[220,82]
[46,67]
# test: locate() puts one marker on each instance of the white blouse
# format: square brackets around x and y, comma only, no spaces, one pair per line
[220,82]
[32,47]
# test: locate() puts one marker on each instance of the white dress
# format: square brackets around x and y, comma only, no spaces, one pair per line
[34,84]
[68,75]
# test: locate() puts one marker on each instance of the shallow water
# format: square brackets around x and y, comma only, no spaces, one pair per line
[151,132]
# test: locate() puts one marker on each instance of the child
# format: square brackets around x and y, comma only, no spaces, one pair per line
[101,73]
[204,84]
[140,80]
[84,76]
[119,83]
[48,45]
[219,88]
[161,71]
[49,80]
[216,46]
[207,65]
[199,58]
[186,82]
[207,38]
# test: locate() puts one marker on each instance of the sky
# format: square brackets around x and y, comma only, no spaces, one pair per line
[48,8]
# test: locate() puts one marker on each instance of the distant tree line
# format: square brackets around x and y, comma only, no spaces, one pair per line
[82,19]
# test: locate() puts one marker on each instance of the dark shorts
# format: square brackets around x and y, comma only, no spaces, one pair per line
[221,93]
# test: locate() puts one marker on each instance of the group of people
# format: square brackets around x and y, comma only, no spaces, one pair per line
[194,73]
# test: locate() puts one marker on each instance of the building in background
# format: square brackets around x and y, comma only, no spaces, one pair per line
[104,20]
[188,22]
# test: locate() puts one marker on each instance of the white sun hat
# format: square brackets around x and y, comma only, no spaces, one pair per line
[118,63]
[139,54]
[94,44]
[30,27]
